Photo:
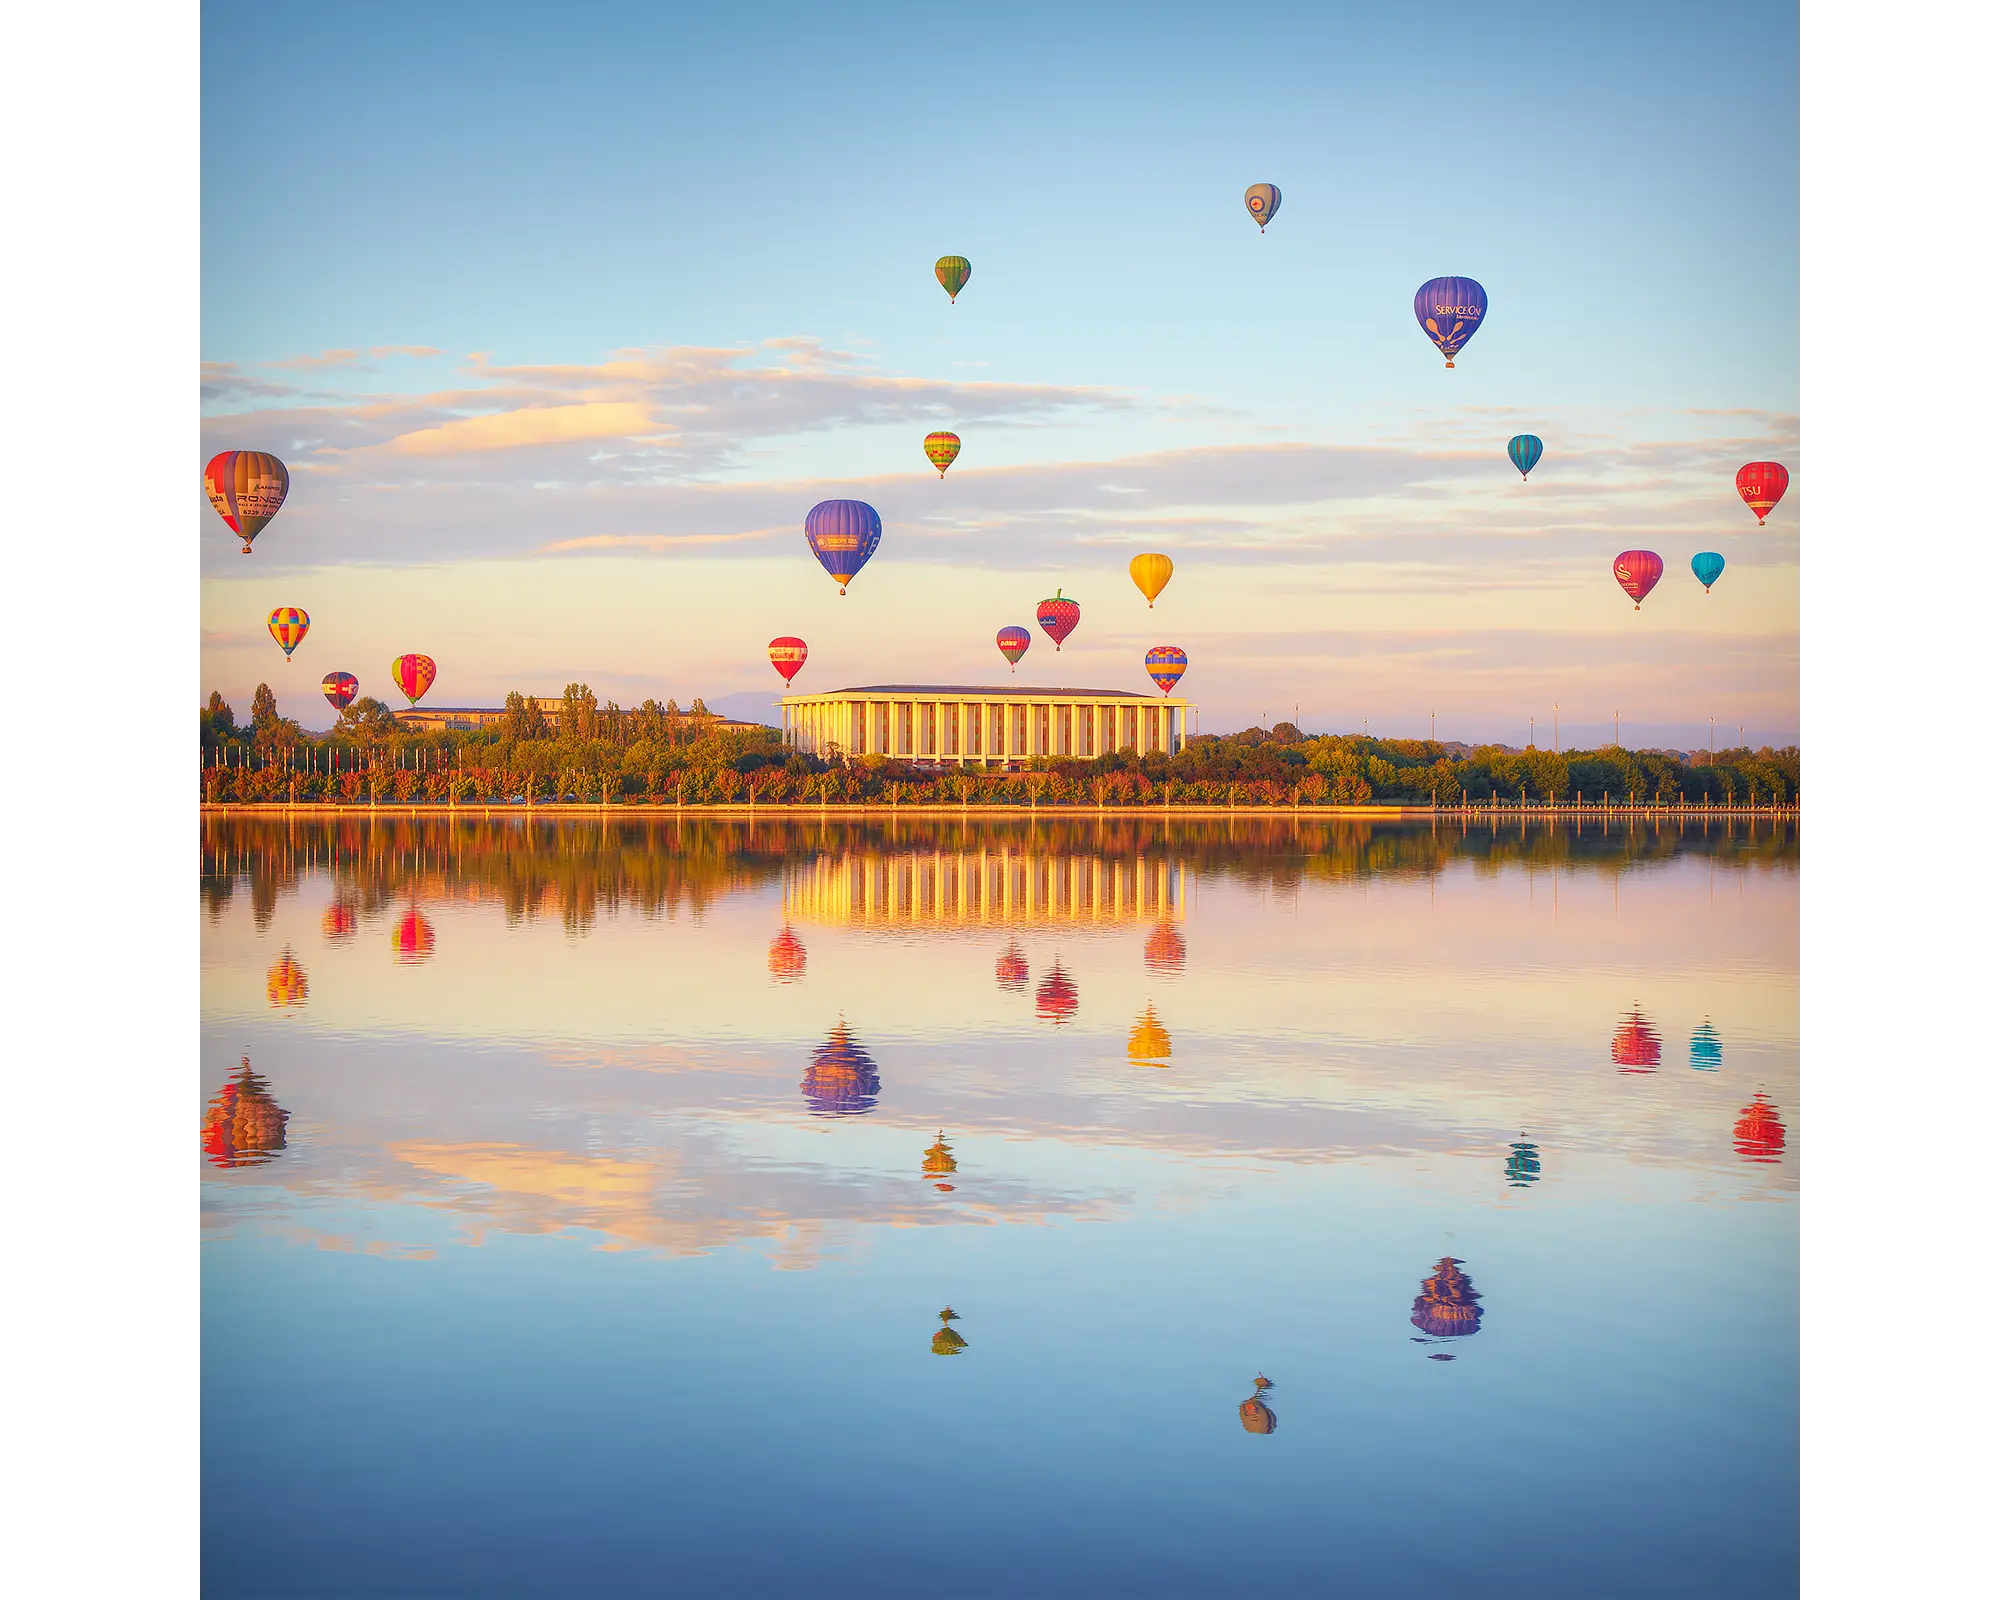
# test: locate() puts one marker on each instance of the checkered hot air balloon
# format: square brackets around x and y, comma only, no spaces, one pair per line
[1450,311]
[1164,665]
[1058,617]
[942,449]
[954,272]
[340,688]
[1261,200]
[414,675]
[288,626]
[1762,485]
[246,487]
[1637,571]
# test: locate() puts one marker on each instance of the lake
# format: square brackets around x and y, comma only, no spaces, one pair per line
[1072,1207]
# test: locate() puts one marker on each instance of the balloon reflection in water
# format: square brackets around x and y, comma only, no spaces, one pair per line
[787,957]
[842,1080]
[1447,1307]
[285,983]
[1055,997]
[1011,970]
[337,921]
[1149,1042]
[1635,1046]
[243,1126]
[1760,1136]
[413,939]
[1705,1048]
[1166,950]
[1256,1416]
[940,1163]
[1524,1166]
[947,1341]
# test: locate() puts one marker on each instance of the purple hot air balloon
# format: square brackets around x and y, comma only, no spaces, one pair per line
[1013,643]
[843,534]
[842,1080]
[1450,311]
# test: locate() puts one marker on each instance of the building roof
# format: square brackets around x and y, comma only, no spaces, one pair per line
[1017,691]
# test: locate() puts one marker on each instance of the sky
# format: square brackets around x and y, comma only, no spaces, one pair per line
[562,326]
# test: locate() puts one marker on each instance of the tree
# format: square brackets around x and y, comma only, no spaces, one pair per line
[366,715]
[579,711]
[220,717]
[263,707]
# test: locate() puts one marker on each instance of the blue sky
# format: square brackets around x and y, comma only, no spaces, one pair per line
[714,230]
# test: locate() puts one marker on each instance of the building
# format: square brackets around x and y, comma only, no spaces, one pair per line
[975,726]
[469,719]
[991,886]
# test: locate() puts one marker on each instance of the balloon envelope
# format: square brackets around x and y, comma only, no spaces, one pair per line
[1013,643]
[1261,200]
[842,1080]
[414,675]
[1637,571]
[942,448]
[340,688]
[413,939]
[1058,617]
[1762,485]
[1450,310]
[1524,450]
[1164,665]
[1708,567]
[788,655]
[1055,997]
[843,534]
[1150,573]
[1447,1307]
[288,626]
[953,272]
[246,487]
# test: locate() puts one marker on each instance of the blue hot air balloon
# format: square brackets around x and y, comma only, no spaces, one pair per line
[1450,310]
[843,534]
[1708,567]
[1705,1048]
[1524,450]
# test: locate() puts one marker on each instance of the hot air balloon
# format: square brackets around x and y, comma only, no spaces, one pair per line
[413,939]
[786,958]
[1164,665]
[340,688]
[1762,485]
[1055,997]
[940,1163]
[1262,200]
[842,1080]
[1524,1164]
[288,626]
[246,487]
[843,534]
[1635,1047]
[1637,571]
[1058,617]
[954,272]
[1011,970]
[285,983]
[1447,1307]
[1013,643]
[1524,450]
[1760,1136]
[1705,1048]
[788,655]
[1450,310]
[1149,1042]
[337,921]
[1166,950]
[942,448]
[414,675]
[1256,1416]
[1708,567]
[243,1126]
[946,1341]
[1150,573]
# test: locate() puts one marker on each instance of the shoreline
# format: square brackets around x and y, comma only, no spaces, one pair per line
[807,810]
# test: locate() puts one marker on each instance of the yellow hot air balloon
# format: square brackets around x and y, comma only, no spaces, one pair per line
[1150,573]
[1149,1043]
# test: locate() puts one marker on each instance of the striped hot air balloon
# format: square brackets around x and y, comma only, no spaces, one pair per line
[1524,450]
[1013,643]
[1762,485]
[1637,571]
[1760,1133]
[340,688]
[954,272]
[246,487]
[1055,997]
[1261,200]
[843,534]
[1164,665]
[942,448]
[1635,1047]
[1707,567]
[1151,572]
[413,675]
[788,655]
[1450,310]
[288,626]
[1058,617]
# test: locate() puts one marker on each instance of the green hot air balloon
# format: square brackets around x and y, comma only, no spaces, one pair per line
[953,272]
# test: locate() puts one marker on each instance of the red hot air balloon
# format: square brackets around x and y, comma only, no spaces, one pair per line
[1166,950]
[1013,643]
[1055,997]
[414,675]
[413,940]
[788,655]
[1762,485]
[1635,1046]
[1164,665]
[340,688]
[246,487]
[787,958]
[1637,571]
[1058,617]
[337,921]
[1760,1136]
[1011,970]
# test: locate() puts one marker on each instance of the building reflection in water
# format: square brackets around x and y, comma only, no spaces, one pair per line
[1705,1048]
[1447,1306]
[413,938]
[1760,1136]
[947,1341]
[999,885]
[1254,1414]
[285,983]
[337,921]
[243,1126]
[786,958]
[842,1080]
[1524,1164]
[1055,997]
[940,1163]
[1011,970]
[1166,950]
[1635,1046]
[1149,1043]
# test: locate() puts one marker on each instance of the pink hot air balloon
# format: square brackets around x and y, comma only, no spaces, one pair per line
[1637,571]
[1013,643]
[1058,617]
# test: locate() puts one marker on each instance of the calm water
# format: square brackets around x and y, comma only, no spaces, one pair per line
[582,1204]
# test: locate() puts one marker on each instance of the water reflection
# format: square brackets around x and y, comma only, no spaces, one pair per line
[947,1341]
[414,940]
[1149,1043]
[1760,1135]
[338,922]
[1447,1307]
[285,983]
[1011,970]
[1636,1046]
[1166,950]
[1524,1164]
[842,1080]
[1254,1414]
[982,883]
[939,1162]
[1705,1048]
[1055,996]
[786,959]
[243,1126]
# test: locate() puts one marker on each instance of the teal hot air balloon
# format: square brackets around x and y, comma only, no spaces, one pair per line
[1524,450]
[1705,1048]
[1708,567]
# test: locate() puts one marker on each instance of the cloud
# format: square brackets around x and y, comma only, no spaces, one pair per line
[223,380]
[653,541]
[325,360]
[531,426]
[378,351]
